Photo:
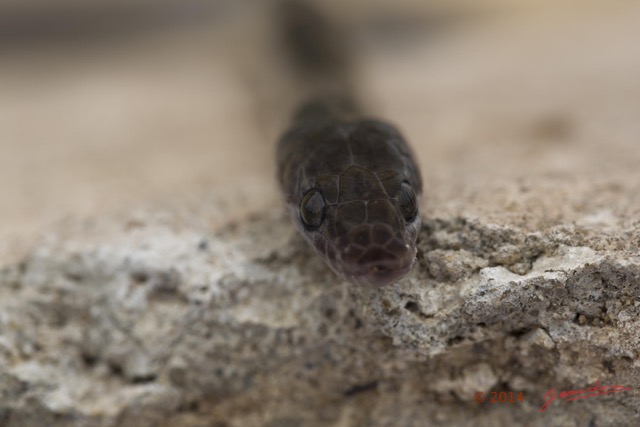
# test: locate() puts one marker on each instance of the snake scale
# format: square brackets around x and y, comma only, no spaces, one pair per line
[349,181]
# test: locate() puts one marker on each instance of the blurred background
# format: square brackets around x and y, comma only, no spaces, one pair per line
[106,105]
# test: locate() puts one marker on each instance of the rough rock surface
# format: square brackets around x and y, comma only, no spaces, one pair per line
[158,320]
[217,314]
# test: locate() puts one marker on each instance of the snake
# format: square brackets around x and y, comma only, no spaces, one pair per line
[349,181]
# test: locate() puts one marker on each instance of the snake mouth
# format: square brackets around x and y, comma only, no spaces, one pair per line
[377,268]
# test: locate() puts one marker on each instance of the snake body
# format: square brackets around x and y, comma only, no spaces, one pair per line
[350,182]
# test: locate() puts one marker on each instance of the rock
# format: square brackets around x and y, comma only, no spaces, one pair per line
[216,313]
[107,325]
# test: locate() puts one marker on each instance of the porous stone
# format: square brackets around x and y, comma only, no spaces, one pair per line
[108,325]
[217,314]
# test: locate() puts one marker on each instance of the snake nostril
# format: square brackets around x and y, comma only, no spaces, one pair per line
[360,236]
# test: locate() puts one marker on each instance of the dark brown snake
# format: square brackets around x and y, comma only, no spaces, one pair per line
[350,182]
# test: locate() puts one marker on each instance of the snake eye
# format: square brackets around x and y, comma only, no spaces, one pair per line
[407,202]
[312,209]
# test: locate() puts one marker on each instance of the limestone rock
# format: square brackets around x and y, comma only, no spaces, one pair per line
[171,324]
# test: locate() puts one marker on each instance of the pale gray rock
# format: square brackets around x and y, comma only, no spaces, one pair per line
[170,322]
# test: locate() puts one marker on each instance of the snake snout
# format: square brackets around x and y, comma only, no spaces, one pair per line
[378,267]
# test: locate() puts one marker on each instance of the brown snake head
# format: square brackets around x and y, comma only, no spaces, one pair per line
[352,190]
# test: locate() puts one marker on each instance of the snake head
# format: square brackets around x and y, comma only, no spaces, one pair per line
[367,234]
[352,190]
